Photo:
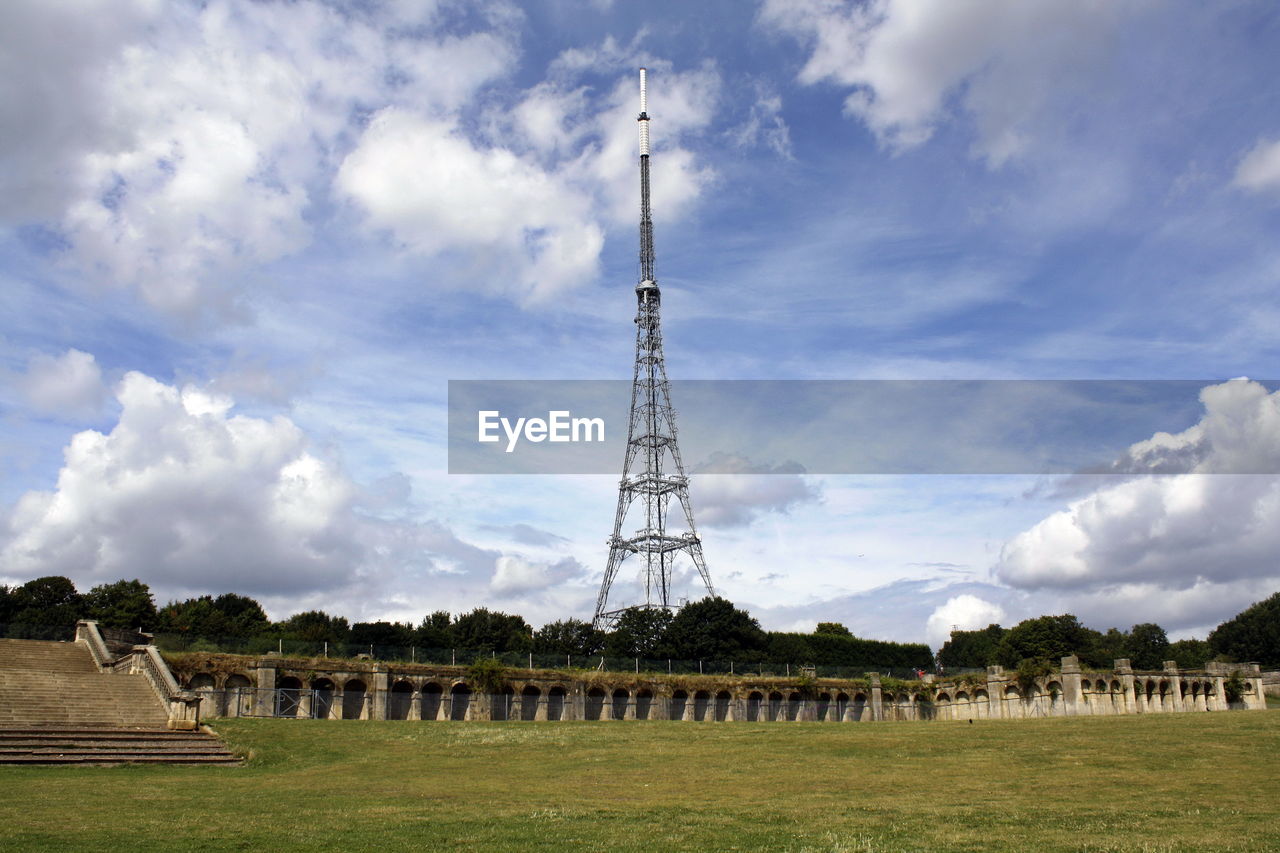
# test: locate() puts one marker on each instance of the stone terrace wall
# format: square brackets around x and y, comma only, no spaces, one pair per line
[245,686]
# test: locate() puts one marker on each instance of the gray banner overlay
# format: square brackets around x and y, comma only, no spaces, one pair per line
[826,426]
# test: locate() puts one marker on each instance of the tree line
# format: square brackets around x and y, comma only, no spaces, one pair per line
[1252,635]
[710,629]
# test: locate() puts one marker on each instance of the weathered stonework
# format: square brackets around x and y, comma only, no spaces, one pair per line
[271,686]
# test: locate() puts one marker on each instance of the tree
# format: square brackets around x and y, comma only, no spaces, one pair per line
[713,629]
[1251,635]
[832,628]
[385,634]
[638,633]
[1148,646]
[490,631]
[6,605]
[971,649]
[568,637]
[436,631]
[1190,653]
[123,604]
[46,607]
[314,626]
[227,616]
[1046,638]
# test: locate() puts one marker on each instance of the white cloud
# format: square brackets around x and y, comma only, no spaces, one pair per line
[181,145]
[69,385]
[184,493]
[907,60]
[514,576]
[1209,534]
[964,613]
[193,498]
[735,500]
[424,182]
[1259,169]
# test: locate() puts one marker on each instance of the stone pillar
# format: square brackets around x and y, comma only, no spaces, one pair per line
[1174,676]
[995,693]
[304,704]
[415,705]
[1126,684]
[1220,694]
[379,691]
[876,702]
[543,699]
[264,698]
[1071,686]
[1252,674]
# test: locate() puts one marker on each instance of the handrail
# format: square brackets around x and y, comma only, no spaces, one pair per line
[145,660]
[87,630]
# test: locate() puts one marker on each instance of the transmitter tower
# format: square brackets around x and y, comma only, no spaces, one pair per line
[653,474]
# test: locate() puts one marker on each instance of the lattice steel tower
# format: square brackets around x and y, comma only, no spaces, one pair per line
[652,473]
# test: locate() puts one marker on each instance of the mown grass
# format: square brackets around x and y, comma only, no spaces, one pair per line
[1143,783]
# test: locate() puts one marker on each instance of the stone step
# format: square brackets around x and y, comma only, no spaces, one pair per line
[100,758]
[110,745]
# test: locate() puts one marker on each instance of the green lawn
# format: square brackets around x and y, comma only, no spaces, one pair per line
[1142,783]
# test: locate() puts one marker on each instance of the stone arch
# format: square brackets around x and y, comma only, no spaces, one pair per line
[701,702]
[621,699]
[794,704]
[529,698]
[822,707]
[555,703]
[502,703]
[924,707]
[775,706]
[722,706]
[981,704]
[288,696]
[459,701]
[1086,684]
[432,698]
[1054,691]
[399,700]
[239,694]
[842,706]
[353,693]
[961,707]
[322,698]
[754,700]
[858,712]
[644,703]
[594,705]
[200,681]
[1166,695]
[679,702]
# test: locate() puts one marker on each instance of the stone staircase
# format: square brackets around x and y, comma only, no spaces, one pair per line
[56,707]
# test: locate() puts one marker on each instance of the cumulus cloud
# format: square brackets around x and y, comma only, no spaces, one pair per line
[176,147]
[1208,534]
[69,385]
[517,576]
[181,489]
[964,613]
[1259,169]
[907,62]
[732,490]
[424,182]
[192,497]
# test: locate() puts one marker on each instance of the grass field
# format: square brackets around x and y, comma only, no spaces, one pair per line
[1142,783]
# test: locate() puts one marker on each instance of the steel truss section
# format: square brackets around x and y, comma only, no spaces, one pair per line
[653,473]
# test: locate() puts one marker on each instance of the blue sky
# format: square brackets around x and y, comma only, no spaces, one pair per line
[244,246]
